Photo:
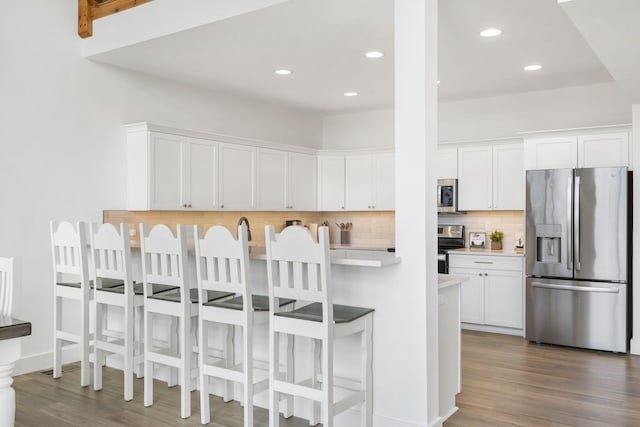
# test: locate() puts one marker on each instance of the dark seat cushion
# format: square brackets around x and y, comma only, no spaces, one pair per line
[260,303]
[174,296]
[313,312]
[138,288]
[106,283]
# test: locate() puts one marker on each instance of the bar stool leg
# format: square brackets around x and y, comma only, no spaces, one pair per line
[174,330]
[97,362]
[185,372]
[229,358]
[327,377]
[248,378]
[367,372]
[84,343]
[128,352]
[205,411]
[274,396]
[315,412]
[138,338]
[57,343]
[148,365]
[290,375]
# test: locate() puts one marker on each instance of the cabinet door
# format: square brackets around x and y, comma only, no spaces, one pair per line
[272,179]
[606,150]
[471,295]
[447,163]
[237,177]
[331,177]
[551,153]
[358,183]
[384,179]
[475,176]
[508,177]
[166,172]
[201,174]
[503,298]
[302,182]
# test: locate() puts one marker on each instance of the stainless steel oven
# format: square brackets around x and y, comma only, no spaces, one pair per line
[449,237]
[447,195]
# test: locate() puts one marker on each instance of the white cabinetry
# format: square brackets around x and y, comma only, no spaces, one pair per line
[447,163]
[491,177]
[579,151]
[285,180]
[331,177]
[492,298]
[370,182]
[170,172]
[237,177]
[604,150]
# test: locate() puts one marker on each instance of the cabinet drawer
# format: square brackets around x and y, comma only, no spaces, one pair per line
[485,262]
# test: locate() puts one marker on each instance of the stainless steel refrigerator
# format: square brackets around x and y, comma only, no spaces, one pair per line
[577,258]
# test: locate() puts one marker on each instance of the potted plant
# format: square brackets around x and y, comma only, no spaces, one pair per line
[496,239]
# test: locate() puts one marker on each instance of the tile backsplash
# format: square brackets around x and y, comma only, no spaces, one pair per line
[509,222]
[370,229]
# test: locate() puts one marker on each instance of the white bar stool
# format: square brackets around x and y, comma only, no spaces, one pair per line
[298,267]
[221,265]
[111,261]
[164,261]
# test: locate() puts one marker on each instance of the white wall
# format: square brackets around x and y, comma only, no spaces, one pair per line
[486,118]
[63,150]
[635,263]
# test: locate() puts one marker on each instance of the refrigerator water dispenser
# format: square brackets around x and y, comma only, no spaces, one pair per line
[549,239]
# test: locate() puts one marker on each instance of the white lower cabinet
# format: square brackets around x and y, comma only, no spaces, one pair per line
[493,295]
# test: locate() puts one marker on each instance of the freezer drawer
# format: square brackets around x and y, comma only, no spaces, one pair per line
[578,314]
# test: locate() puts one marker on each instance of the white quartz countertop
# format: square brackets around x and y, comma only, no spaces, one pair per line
[478,251]
[352,257]
[446,280]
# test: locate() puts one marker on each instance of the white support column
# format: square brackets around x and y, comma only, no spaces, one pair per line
[9,353]
[416,134]
[635,263]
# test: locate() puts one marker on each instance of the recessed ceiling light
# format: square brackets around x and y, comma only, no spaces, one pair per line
[438,82]
[283,72]
[374,54]
[533,67]
[351,94]
[491,32]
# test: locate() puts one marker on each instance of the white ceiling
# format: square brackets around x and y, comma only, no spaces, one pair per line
[324,42]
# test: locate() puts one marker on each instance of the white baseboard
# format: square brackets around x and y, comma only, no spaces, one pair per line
[635,346]
[44,361]
[492,329]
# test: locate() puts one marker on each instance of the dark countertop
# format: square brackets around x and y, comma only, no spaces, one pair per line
[13,328]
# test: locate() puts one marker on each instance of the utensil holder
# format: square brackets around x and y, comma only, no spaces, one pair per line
[345,237]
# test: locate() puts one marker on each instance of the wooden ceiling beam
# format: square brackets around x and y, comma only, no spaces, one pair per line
[89,10]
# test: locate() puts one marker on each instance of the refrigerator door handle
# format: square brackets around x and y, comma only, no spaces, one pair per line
[614,290]
[576,227]
[569,224]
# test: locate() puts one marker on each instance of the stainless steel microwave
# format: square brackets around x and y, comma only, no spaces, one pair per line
[447,195]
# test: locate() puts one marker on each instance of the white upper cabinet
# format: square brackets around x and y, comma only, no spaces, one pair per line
[302,187]
[272,179]
[286,180]
[475,178]
[170,172]
[447,163]
[237,177]
[551,153]
[508,177]
[579,151]
[331,179]
[370,182]
[491,177]
[604,150]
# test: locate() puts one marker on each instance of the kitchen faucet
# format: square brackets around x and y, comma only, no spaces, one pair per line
[246,221]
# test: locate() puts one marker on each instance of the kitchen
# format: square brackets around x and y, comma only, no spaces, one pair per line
[91,128]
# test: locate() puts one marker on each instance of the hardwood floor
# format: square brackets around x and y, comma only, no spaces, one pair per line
[505,382]
[508,382]
[43,401]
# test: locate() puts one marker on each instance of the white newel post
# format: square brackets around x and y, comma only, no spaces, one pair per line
[9,353]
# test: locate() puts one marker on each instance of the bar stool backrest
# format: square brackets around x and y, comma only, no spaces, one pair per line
[222,260]
[69,250]
[6,286]
[111,253]
[298,267]
[164,258]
